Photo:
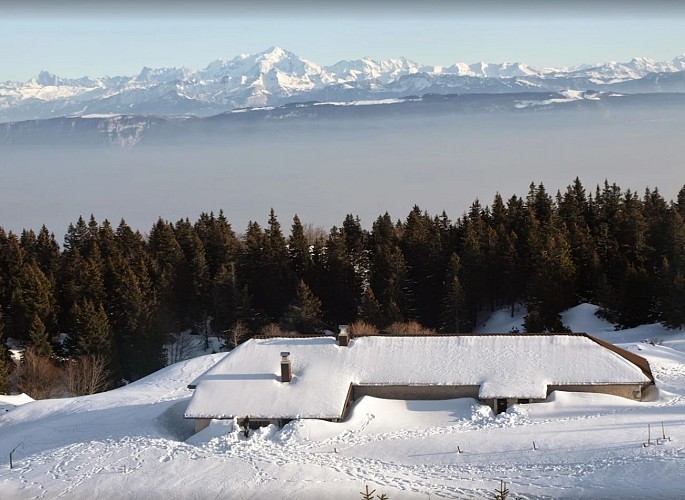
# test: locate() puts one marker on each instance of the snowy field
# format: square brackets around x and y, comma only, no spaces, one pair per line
[133,442]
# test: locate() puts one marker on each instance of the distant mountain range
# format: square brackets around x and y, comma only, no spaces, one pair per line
[277,77]
[125,130]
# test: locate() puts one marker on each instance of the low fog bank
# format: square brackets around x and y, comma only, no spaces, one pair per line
[322,170]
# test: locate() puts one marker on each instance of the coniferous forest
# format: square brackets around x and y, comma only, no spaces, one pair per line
[115,293]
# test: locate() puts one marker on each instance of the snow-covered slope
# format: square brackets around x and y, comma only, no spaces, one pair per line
[277,76]
[133,443]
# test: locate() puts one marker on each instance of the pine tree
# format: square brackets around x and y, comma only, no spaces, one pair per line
[298,249]
[11,260]
[5,362]
[77,237]
[230,301]
[551,288]
[32,295]
[454,317]
[39,339]
[129,243]
[474,264]
[680,203]
[369,308]
[219,241]
[671,291]
[131,309]
[422,250]
[265,270]
[193,286]
[335,280]
[281,277]
[166,260]
[304,312]
[388,277]
[92,333]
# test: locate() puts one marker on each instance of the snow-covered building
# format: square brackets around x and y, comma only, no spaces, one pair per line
[279,379]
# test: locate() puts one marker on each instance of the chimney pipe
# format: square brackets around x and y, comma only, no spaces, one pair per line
[286,369]
[343,336]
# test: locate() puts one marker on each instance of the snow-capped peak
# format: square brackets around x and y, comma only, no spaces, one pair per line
[276,76]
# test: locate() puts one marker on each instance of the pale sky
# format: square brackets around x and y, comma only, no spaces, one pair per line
[73,38]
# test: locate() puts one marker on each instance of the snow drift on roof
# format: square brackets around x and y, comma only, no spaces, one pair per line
[247,381]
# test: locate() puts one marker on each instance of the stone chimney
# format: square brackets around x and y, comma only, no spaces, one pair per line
[343,336]
[286,369]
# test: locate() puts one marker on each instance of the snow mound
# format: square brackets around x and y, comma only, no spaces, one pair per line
[8,403]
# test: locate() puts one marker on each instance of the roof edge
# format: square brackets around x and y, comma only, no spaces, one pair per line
[638,361]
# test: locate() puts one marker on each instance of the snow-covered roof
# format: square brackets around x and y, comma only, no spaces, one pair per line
[247,380]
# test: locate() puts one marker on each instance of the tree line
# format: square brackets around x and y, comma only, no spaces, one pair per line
[114,293]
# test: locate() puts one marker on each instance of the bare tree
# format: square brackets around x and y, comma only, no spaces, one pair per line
[273,330]
[87,375]
[37,376]
[313,233]
[179,347]
[235,336]
[204,327]
[408,328]
[362,328]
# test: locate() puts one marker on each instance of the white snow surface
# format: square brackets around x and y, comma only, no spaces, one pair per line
[133,443]
[247,381]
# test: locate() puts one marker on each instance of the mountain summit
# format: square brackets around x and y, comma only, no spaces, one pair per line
[276,76]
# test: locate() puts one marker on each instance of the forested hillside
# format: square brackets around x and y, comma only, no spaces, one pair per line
[118,293]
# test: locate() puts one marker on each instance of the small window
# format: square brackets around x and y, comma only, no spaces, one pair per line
[524,401]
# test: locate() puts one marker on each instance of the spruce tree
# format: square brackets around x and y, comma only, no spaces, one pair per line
[11,260]
[166,257]
[192,285]
[281,278]
[298,249]
[453,315]
[132,307]
[422,251]
[335,280]
[265,269]
[671,290]
[551,288]
[388,277]
[33,295]
[304,312]
[220,242]
[230,301]
[473,260]
[92,333]
[680,203]
[252,274]
[39,339]
[5,362]
[369,308]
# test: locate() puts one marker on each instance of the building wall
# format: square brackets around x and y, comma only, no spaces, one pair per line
[629,391]
[435,392]
[201,423]
[410,392]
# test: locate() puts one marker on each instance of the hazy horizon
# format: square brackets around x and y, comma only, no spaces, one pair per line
[325,170]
